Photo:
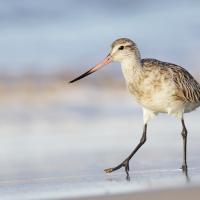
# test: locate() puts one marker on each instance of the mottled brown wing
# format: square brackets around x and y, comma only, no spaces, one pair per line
[186,83]
[188,87]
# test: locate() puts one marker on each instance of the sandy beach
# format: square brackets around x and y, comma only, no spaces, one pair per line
[56,139]
[56,145]
[173,194]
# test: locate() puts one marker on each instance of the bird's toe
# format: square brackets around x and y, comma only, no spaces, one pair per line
[109,170]
[184,167]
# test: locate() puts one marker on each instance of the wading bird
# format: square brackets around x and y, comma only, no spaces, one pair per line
[159,87]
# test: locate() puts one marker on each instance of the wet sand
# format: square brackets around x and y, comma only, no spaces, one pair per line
[58,146]
[184,193]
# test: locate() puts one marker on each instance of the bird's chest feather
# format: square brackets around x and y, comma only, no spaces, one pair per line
[152,92]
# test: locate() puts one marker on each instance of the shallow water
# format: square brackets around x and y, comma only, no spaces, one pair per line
[61,147]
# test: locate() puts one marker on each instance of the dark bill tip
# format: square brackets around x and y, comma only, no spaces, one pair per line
[81,76]
[106,61]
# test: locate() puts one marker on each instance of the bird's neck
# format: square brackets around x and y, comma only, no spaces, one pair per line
[131,68]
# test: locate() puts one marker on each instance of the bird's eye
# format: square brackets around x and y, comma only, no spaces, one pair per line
[121,47]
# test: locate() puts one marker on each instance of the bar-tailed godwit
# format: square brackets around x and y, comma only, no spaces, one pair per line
[159,87]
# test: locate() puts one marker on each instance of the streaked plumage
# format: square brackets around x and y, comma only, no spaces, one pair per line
[163,87]
[159,87]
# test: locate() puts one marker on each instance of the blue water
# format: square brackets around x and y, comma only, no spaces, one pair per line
[51,35]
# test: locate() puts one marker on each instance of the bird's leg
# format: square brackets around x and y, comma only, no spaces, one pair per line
[125,163]
[184,135]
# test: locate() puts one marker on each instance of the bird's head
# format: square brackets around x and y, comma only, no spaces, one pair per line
[122,49]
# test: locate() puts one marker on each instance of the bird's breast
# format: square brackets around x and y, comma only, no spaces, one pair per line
[152,95]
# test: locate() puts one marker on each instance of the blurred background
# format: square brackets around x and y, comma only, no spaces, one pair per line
[52,129]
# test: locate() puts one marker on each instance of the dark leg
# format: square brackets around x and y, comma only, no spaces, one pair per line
[184,135]
[125,163]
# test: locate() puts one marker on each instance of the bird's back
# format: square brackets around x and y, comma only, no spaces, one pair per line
[189,88]
[165,86]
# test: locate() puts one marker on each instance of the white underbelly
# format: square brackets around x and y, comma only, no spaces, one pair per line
[162,103]
[166,105]
[156,106]
[157,102]
[163,99]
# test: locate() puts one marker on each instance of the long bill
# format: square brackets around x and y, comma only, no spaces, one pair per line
[106,61]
